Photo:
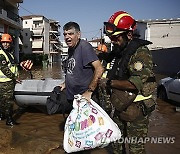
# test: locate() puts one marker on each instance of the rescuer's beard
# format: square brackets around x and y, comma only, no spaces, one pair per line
[118,49]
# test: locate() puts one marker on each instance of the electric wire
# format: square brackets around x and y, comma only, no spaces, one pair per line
[26,10]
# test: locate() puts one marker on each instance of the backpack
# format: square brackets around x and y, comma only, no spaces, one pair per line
[57,102]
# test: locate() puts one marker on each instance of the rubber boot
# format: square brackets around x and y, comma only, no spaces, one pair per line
[2,116]
[9,119]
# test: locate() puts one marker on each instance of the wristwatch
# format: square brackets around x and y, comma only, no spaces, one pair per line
[90,90]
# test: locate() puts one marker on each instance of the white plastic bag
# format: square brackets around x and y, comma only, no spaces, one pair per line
[88,126]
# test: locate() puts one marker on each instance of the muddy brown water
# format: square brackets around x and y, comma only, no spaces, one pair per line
[39,133]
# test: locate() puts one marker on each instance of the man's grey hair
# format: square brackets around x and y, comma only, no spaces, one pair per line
[71,25]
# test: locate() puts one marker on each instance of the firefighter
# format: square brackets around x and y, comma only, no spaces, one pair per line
[131,81]
[8,76]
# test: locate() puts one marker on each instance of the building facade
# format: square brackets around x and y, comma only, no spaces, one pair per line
[10,21]
[41,35]
[55,43]
[163,33]
[165,36]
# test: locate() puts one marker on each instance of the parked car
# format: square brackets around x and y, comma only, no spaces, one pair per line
[169,88]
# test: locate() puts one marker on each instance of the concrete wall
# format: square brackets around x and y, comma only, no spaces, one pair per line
[167,60]
[165,35]
[26,33]
[46,36]
[27,43]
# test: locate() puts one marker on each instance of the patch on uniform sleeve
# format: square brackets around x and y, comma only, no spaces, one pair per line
[138,66]
[3,62]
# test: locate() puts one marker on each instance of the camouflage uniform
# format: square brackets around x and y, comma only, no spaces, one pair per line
[7,88]
[139,72]
[133,130]
[6,96]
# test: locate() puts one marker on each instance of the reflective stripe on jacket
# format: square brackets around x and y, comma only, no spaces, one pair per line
[141,98]
[13,68]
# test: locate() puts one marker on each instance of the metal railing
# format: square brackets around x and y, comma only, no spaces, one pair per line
[11,15]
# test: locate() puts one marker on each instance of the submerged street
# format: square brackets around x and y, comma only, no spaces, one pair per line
[39,133]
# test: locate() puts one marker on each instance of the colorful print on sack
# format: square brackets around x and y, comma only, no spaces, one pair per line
[88,126]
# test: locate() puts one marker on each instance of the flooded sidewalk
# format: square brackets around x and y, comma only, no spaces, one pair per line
[39,133]
[165,126]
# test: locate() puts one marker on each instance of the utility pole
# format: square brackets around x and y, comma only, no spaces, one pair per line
[101,35]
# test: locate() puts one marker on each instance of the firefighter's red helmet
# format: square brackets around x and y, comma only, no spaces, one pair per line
[119,22]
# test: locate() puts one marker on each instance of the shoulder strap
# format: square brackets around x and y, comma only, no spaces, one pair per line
[9,57]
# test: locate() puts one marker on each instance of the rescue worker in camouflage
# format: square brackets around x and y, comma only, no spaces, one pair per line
[8,75]
[130,82]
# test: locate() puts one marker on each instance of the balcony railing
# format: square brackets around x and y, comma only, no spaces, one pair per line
[16,1]
[37,44]
[13,16]
[38,32]
[10,17]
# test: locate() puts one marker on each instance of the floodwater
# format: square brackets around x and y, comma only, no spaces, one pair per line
[39,133]
[51,71]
